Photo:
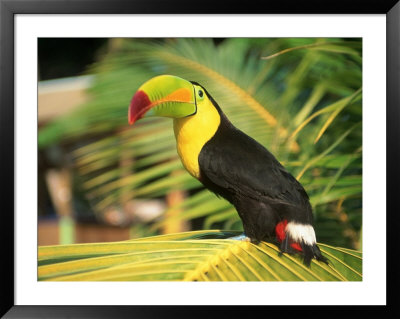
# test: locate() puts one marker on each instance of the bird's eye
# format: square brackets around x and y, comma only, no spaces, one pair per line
[200,93]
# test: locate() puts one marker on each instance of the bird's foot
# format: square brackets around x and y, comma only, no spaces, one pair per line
[241,237]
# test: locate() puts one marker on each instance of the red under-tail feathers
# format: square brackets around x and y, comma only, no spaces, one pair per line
[281,234]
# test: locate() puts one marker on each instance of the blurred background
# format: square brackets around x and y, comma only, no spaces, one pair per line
[101,180]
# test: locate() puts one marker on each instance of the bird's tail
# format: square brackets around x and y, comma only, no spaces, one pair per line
[310,252]
[294,239]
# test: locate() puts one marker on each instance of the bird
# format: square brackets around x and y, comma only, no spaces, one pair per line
[270,202]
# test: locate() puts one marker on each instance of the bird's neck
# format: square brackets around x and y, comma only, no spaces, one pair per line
[193,132]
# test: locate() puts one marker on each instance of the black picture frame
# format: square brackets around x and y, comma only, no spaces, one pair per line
[8,10]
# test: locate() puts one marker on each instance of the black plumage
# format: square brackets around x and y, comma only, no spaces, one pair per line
[238,168]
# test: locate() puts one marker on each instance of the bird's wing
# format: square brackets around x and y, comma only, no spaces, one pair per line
[236,162]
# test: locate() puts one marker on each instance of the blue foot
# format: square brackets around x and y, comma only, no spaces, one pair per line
[241,237]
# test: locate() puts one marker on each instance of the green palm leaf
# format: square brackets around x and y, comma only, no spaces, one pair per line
[191,256]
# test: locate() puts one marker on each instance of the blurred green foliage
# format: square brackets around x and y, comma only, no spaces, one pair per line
[299,97]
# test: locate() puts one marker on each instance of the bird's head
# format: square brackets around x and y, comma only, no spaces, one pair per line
[166,95]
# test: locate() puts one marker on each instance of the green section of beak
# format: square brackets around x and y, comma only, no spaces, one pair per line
[165,95]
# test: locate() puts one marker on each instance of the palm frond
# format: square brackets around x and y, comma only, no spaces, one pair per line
[191,256]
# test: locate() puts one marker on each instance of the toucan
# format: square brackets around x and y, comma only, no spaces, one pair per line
[271,203]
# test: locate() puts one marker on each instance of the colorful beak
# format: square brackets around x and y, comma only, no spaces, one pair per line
[164,95]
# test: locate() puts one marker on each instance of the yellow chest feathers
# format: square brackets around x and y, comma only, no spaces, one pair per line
[193,132]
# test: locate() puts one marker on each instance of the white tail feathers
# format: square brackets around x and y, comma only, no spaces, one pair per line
[301,233]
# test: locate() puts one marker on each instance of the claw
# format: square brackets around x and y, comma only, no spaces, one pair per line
[241,237]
